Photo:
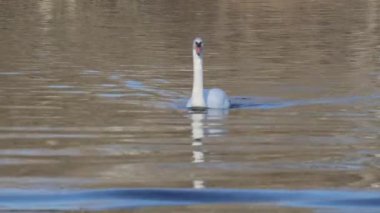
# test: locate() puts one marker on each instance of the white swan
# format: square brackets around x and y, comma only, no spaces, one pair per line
[202,99]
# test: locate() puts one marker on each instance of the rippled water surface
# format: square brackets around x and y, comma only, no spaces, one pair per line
[92,109]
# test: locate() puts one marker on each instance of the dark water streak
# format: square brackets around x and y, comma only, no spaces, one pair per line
[112,199]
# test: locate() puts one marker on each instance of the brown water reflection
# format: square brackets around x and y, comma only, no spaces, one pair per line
[68,117]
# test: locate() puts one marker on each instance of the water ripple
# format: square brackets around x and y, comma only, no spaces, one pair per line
[178,101]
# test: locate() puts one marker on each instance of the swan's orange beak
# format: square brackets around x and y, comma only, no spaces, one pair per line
[198,50]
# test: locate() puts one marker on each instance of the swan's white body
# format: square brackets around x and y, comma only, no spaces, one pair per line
[201,99]
[214,98]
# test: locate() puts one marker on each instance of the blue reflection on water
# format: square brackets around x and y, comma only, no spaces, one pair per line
[178,100]
[260,103]
[105,199]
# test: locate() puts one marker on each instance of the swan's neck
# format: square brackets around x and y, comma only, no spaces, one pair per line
[197,99]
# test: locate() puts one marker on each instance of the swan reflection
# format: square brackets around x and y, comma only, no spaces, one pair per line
[205,124]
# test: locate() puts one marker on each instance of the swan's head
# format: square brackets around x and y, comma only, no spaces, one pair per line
[198,46]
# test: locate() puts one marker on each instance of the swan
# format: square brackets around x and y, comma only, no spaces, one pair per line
[201,99]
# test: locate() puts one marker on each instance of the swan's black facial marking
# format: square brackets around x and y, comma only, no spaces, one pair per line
[198,46]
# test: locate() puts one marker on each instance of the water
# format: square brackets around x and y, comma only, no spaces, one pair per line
[92,109]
